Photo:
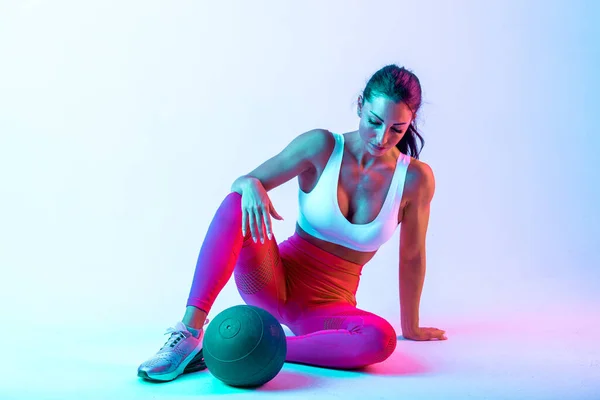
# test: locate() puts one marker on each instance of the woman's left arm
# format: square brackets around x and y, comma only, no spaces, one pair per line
[415,221]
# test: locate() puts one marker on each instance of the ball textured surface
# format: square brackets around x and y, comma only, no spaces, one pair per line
[244,346]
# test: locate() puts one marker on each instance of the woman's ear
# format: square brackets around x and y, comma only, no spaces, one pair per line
[359,105]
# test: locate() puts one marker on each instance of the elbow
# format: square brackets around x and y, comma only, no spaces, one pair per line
[412,256]
[414,263]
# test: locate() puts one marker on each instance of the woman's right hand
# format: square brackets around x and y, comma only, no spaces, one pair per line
[256,211]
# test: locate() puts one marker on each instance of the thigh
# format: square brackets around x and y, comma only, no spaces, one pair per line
[259,275]
[347,317]
[344,335]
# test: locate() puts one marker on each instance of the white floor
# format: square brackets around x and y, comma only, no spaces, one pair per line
[541,357]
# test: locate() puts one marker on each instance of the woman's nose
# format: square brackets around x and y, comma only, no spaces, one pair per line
[380,139]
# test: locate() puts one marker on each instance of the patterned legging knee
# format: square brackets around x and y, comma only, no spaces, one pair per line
[305,288]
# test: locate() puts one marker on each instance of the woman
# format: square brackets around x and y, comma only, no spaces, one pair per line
[355,189]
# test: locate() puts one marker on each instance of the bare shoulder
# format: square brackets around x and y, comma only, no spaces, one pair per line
[317,139]
[317,143]
[420,180]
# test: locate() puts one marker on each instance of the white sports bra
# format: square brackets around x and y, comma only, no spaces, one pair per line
[320,215]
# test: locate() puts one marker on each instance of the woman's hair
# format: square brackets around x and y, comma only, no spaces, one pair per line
[399,85]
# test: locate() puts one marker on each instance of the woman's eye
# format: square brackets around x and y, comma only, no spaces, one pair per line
[377,124]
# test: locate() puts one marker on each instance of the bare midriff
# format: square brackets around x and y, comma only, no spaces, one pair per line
[355,256]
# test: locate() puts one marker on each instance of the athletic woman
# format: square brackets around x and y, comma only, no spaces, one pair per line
[355,189]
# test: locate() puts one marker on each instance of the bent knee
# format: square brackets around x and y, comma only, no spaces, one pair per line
[381,341]
[230,208]
[232,199]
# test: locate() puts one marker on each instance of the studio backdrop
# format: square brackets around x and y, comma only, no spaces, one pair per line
[123,125]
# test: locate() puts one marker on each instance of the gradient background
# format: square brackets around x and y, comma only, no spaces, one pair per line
[123,125]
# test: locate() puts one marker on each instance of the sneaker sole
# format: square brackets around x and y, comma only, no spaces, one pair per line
[195,362]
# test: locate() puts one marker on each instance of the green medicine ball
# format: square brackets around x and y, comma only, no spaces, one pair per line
[244,346]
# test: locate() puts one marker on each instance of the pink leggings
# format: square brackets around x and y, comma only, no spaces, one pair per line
[307,289]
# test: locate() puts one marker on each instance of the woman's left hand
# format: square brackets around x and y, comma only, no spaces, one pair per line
[425,334]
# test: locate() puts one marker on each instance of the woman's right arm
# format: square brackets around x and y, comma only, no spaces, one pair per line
[298,156]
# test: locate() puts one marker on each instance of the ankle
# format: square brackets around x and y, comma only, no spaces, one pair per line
[194,318]
[196,327]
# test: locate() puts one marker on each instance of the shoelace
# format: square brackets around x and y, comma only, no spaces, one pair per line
[176,336]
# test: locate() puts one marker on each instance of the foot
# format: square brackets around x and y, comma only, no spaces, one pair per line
[182,353]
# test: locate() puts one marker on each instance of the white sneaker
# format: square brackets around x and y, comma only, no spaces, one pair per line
[182,353]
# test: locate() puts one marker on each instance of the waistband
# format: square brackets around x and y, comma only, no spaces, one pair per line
[323,257]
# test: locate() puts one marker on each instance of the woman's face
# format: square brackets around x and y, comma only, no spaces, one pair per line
[383,123]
